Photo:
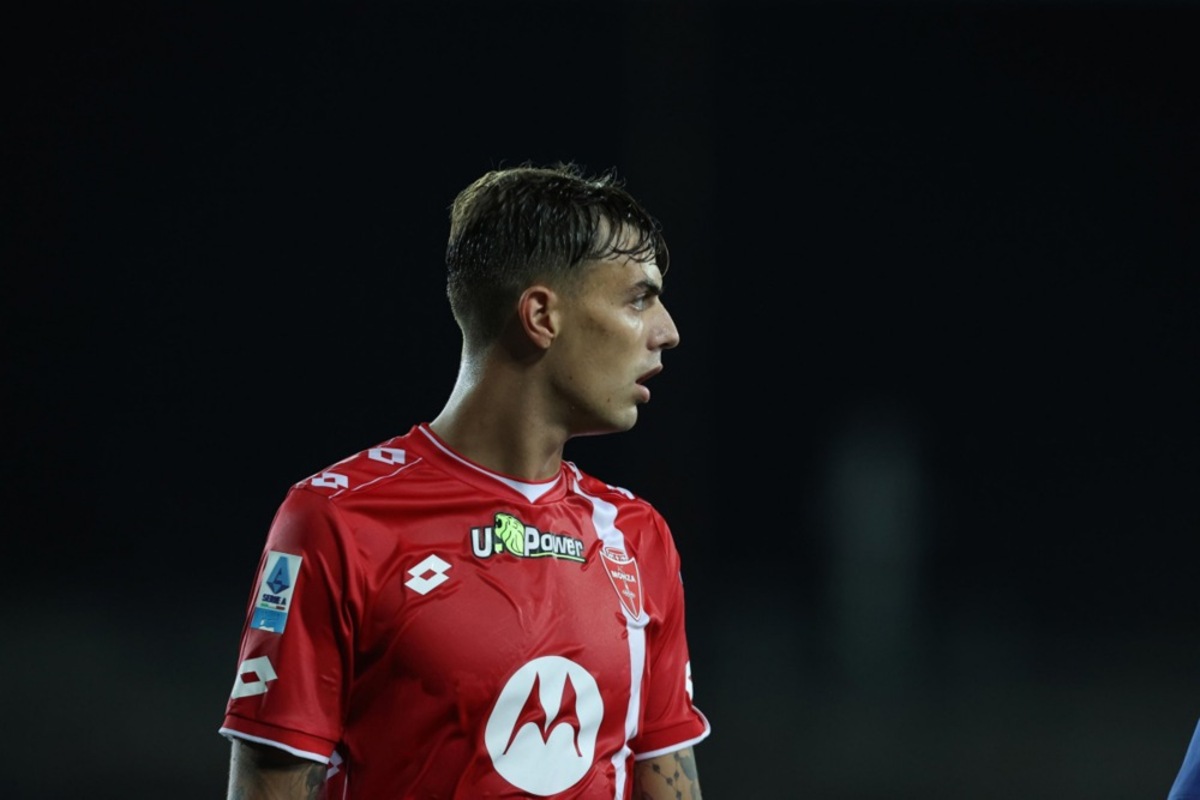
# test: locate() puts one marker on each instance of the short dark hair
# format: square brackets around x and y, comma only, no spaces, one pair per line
[513,226]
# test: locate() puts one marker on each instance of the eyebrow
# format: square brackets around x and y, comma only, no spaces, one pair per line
[649,286]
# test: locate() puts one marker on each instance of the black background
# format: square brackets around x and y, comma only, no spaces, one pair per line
[929,445]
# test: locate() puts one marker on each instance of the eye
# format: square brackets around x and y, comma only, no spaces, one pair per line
[644,294]
[645,299]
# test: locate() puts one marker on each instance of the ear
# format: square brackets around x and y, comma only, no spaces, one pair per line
[537,311]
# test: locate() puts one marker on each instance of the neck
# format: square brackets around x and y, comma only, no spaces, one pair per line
[497,417]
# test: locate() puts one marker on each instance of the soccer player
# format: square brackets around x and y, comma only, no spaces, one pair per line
[459,612]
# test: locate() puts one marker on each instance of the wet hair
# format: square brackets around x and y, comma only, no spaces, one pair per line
[512,227]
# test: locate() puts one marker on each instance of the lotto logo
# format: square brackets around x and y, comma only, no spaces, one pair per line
[428,575]
[386,455]
[253,676]
[331,480]
[335,764]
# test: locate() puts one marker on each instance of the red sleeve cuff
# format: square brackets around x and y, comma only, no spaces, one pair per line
[297,743]
[676,737]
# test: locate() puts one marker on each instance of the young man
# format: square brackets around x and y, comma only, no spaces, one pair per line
[458,612]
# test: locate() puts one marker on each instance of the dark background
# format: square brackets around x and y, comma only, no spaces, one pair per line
[929,446]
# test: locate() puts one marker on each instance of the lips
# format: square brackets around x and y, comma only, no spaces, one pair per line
[645,393]
[648,375]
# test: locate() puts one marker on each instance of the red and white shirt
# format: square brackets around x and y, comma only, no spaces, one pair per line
[431,629]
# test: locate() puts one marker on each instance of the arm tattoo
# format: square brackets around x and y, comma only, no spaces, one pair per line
[264,773]
[669,777]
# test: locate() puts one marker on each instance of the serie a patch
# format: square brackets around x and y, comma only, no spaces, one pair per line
[276,585]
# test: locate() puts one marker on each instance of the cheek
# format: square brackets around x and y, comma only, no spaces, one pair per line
[593,369]
[619,333]
[609,352]
[608,342]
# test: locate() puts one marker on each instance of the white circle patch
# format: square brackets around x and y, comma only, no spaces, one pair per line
[542,731]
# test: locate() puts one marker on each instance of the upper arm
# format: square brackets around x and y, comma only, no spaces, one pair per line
[262,772]
[667,777]
[297,635]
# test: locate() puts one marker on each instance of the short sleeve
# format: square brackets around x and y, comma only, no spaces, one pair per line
[671,721]
[297,638]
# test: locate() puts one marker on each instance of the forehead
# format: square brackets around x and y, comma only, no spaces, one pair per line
[622,271]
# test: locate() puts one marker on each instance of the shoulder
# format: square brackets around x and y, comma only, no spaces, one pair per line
[610,492]
[631,511]
[367,469]
[334,502]
[630,523]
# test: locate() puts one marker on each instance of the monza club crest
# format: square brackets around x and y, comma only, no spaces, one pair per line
[622,570]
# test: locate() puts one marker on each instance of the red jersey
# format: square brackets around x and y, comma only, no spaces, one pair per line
[432,629]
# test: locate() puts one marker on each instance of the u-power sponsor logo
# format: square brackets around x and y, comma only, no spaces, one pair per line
[507,534]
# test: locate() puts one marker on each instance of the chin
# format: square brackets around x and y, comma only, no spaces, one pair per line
[611,423]
[627,421]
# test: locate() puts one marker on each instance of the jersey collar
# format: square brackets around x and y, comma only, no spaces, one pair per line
[473,473]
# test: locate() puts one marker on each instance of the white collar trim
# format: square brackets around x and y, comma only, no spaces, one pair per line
[531,491]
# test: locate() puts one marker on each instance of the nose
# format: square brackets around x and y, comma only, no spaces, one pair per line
[666,335]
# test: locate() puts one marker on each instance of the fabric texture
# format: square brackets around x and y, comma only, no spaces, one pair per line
[429,628]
